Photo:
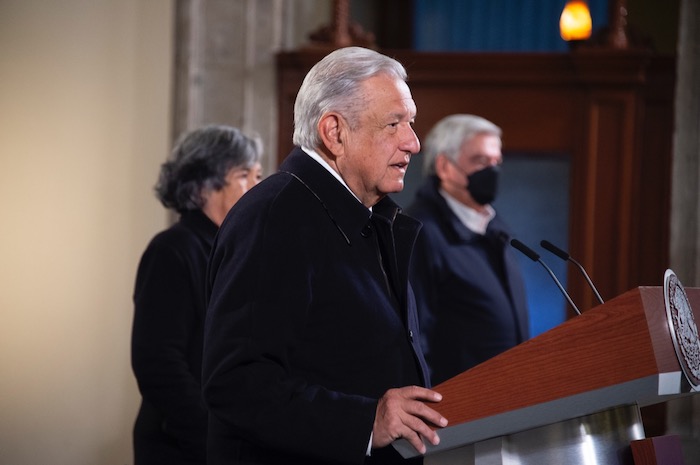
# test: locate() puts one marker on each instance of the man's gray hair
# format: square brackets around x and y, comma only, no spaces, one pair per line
[333,84]
[449,134]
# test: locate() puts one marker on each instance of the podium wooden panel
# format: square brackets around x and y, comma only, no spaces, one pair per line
[619,353]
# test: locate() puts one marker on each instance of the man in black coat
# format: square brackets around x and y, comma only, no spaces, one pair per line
[311,351]
[469,289]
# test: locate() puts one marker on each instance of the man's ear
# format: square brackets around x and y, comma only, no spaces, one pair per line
[331,129]
[442,166]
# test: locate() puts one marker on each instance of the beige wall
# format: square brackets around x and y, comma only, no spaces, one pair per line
[84,124]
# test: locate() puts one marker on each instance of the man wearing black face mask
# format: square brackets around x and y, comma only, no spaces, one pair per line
[469,290]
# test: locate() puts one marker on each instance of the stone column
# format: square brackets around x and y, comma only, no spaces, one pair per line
[684,414]
[225,61]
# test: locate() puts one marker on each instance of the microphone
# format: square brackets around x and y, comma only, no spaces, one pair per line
[532,255]
[565,256]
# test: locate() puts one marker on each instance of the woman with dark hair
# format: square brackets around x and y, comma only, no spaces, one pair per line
[209,170]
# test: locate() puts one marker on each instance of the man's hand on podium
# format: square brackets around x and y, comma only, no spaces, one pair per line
[402,413]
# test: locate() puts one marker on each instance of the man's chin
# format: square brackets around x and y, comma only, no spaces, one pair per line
[396,187]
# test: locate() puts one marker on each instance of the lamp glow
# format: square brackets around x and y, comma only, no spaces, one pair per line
[575,21]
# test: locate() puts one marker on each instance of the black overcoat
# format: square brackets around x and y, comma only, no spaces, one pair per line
[469,288]
[169,307]
[308,324]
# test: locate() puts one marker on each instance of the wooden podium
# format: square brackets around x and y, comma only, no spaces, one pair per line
[572,394]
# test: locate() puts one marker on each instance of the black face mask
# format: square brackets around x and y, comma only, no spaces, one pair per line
[483,185]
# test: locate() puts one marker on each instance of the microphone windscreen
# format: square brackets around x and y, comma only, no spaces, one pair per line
[555,250]
[525,249]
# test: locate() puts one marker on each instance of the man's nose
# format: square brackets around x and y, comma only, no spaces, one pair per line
[410,142]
